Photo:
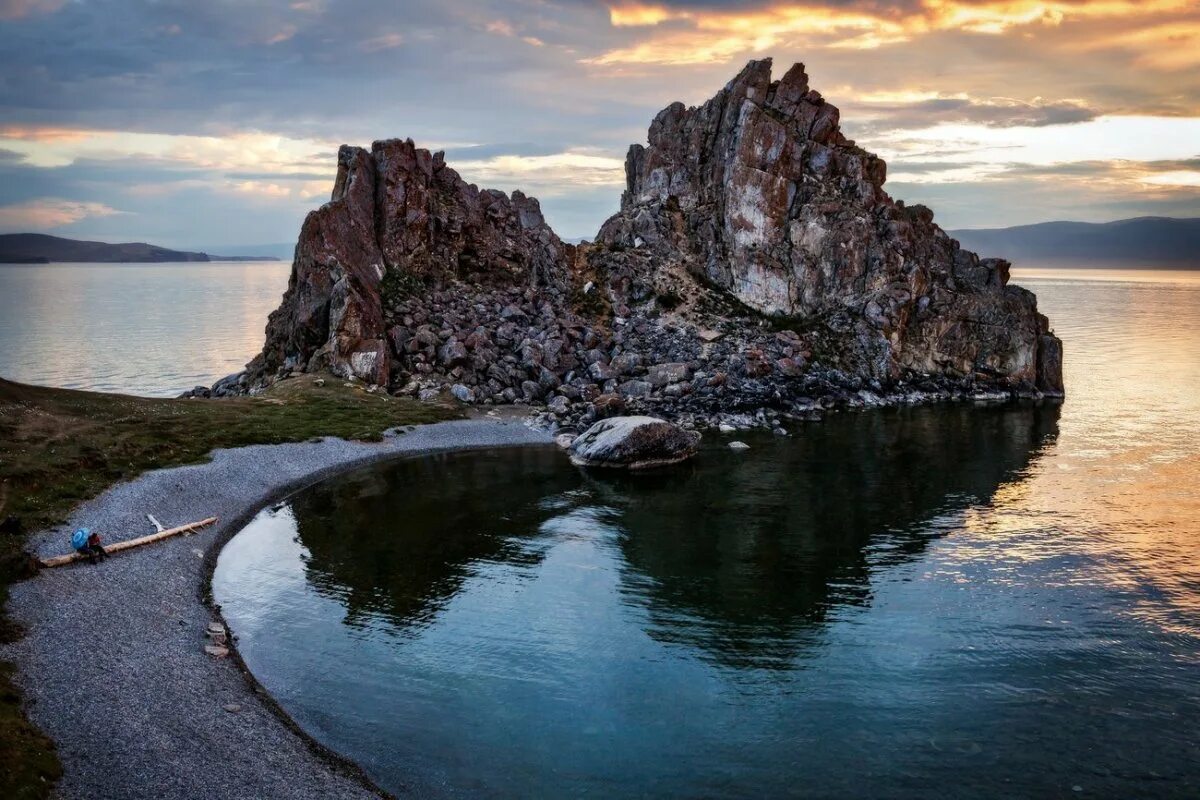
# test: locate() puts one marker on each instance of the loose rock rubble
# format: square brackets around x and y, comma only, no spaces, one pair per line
[756,272]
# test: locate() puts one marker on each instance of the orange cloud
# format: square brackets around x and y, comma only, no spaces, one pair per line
[1171,46]
[285,33]
[49,212]
[37,134]
[501,28]
[633,14]
[718,36]
[15,9]
[702,35]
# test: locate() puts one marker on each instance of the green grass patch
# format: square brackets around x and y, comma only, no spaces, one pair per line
[59,448]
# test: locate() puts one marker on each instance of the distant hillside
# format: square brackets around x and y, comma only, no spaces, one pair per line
[38,248]
[1144,241]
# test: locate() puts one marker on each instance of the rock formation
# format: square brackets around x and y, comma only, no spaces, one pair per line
[759,194]
[398,218]
[756,263]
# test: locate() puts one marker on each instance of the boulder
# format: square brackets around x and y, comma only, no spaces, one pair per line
[661,375]
[609,405]
[633,443]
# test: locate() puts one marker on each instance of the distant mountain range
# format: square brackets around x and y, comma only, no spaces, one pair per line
[1140,242]
[38,248]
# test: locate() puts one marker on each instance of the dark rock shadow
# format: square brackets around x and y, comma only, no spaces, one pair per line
[748,562]
[742,555]
[400,541]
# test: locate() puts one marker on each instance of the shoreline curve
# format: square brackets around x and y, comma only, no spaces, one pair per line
[112,663]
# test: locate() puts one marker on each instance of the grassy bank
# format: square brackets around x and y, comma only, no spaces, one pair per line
[59,448]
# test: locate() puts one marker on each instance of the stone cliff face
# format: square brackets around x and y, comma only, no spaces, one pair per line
[759,194]
[756,262]
[398,218]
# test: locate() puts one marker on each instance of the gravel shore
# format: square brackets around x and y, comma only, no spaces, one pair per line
[113,664]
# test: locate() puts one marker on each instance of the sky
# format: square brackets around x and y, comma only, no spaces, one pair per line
[215,124]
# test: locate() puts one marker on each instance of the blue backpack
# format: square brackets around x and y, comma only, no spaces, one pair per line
[79,540]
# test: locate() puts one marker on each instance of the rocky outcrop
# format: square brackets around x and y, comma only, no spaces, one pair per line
[399,220]
[756,265]
[758,194]
[633,443]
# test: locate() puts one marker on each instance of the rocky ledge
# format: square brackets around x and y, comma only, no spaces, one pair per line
[756,269]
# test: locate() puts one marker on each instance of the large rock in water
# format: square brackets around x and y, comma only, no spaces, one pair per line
[633,443]
[756,262]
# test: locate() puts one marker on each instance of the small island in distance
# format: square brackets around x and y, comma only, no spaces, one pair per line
[40,248]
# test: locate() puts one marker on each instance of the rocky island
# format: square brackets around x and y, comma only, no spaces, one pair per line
[756,268]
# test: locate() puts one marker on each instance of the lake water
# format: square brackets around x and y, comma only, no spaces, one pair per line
[949,601]
[147,329]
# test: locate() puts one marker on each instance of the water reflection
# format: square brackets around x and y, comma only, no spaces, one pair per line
[148,329]
[396,544]
[737,559]
[736,554]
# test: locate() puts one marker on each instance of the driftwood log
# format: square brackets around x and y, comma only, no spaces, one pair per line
[116,547]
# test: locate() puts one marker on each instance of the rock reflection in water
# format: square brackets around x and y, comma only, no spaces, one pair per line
[736,554]
[737,559]
[397,543]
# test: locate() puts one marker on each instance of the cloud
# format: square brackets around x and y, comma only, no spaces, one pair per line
[501,28]
[16,9]
[698,32]
[261,189]
[161,107]
[282,35]
[286,176]
[53,147]
[1140,139]
[548,175]
[480,152]
[1153,179]
[385,42]
[1174,45]
[49,212]
[999,112]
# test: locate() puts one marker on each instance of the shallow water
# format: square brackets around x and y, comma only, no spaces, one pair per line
[146,329]
[954,601]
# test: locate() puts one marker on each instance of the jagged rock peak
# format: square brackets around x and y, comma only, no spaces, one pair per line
[758,194]
[397,216]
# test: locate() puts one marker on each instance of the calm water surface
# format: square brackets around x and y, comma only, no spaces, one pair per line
[147,329]
[965,602]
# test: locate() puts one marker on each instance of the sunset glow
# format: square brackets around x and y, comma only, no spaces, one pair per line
[1084,110]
